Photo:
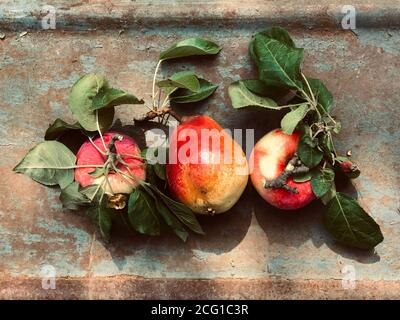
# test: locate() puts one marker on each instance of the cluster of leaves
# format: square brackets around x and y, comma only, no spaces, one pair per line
[92,102]
[279,68]
[149,209]
[184,86]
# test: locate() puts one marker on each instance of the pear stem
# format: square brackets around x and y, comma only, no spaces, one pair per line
[160,112]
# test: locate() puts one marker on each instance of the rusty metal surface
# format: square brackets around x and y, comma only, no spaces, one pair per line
[251,251]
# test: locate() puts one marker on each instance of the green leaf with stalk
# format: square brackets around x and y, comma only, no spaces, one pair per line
[49,163]
[277,58]
[242,97]
[322,95]
[290,121]
[80,103]
[92,102]
[184,79]
[347,221]
[182,87]
[188,96]
[190,47]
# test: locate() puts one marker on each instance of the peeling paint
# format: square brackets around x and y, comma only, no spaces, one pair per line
[387,39]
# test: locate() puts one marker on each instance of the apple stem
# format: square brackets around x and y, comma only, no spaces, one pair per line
[111,144]
[294,166]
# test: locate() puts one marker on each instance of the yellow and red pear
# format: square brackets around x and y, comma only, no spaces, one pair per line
[207,169]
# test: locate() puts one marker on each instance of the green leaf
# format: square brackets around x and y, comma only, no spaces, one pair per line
[159,170]
[142,214]
[92,192]
[186,96]
[306,136]
[242,97]
[329,195]
[49,163]
[322,181]
[71,198]
[257,87]
[277,58]
[102,217]
[350,224]
[184,79]
[98,172]
[171,220]
[290,121]
[151,176]
[111,97]
[280,34]
[183,213]
[322,94]
[252,53]
[59,128]
[170,90]
[80,103]
[327,145]
[277,33]
[308,155]
[190,47]
[302,177]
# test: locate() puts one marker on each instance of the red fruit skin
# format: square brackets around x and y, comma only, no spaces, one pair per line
[88,155]
[267,161]
[205,187]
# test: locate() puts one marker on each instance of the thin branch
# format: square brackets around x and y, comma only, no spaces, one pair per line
[98,129]
[158,113]
[96,147]
[68,167]
[154,84]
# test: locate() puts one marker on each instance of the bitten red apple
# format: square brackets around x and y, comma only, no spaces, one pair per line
[207,169]
[268,160]
[126,148]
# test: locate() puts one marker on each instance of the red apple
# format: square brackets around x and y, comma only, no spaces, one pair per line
[268,160]
[207,169]
[88,154]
